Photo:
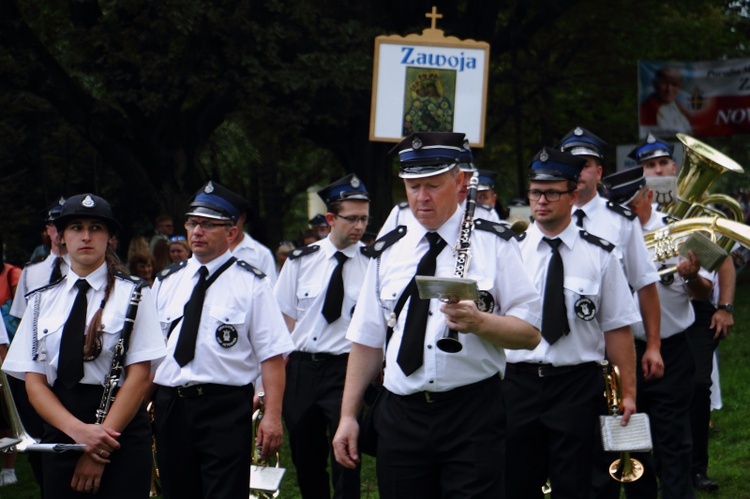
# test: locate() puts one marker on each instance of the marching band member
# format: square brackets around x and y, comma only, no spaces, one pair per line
[441,416]
[554,393]
[667,399]
[64,348]
[317,291]
[223,329]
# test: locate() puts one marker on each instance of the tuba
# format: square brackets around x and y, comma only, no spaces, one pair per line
[624,469]
[259,466]
[701,166]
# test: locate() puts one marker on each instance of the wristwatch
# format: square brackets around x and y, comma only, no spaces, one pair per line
[726,306]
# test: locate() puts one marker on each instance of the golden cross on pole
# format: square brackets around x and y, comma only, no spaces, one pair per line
[434,16]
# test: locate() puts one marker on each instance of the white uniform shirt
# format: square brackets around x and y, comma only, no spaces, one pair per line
[496,266]
[4,339]
[35,276]
[54,304]
[597,297]
[257,255]
[301,292]
[627,237]
[676,312]
[241,325]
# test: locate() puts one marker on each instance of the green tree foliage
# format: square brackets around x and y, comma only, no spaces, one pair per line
[143,101]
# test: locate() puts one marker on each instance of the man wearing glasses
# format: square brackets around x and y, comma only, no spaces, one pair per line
[317,291]
[554,392]
[223,330]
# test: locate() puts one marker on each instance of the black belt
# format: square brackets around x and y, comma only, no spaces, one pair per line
[203,389]
[545,370]
[317,357]
[430,397]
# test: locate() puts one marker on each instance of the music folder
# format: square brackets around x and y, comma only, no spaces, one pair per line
[447,289]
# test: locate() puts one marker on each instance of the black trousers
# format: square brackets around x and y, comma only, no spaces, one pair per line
[703,345]
[204,441]
[312,409]
[552,425]
[127,476]
[449,445]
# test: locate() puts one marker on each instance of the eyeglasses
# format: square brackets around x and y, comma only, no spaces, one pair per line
[179,238]
[207,226]
[551,196]
[353,220]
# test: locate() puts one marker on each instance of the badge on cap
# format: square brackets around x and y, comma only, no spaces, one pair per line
[88,202]
[543,157]
[578,131]
[226,335]
[355,182]
[61,201]
[650,139]
[209,188]
[416,144]
[466,145]
[585,309]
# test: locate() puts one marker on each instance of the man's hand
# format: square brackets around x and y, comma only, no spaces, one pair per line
[345,443]
[722,321]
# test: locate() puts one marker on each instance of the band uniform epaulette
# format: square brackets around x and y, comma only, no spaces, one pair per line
[597,241]
[520,236]
[38,259]
[258,273]
[171,270]
[305,250]
[377,248]
[127,277]
[50,285]
[495,228]
[621,210]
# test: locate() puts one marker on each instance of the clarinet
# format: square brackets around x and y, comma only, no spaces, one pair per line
[450,342]
[112,379]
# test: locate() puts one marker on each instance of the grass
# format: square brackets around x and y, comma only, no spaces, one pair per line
[729,441]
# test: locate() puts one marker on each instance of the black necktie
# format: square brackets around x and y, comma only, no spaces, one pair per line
[56,270]
[410,355]
[554,316]
[185,349]
[70,363]
[335,293]
[579,213]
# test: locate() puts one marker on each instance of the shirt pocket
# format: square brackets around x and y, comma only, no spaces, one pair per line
[49,331]
[391,291]
[581,286]
[168,320]
[582,296]
[222,314]
[112,326]
[306,295]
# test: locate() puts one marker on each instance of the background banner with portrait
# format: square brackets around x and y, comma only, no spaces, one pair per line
[696,98]
[428,83]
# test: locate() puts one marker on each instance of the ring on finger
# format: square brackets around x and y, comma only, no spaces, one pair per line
[101,453]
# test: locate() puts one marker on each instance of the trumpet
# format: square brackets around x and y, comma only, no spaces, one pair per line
[22,441]
[626,468]
[259,466]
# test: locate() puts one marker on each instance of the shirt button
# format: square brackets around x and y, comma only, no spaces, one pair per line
[45,331]
[429,347]
[429,313]
[394,294]
[226,319]
[305,294]
[315,339]
[432,381]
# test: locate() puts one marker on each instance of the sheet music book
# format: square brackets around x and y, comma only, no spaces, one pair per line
[710,254]
[447,289]
[266,478]
[635,437]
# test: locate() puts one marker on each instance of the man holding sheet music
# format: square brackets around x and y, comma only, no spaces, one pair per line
[554,393]
[440,417]
[666,400]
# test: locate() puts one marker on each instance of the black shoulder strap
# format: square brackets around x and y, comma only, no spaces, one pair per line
[171,270]
[621,210]
[597,241]
[495,228]
[300,252]
[246,266]
[377,248]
